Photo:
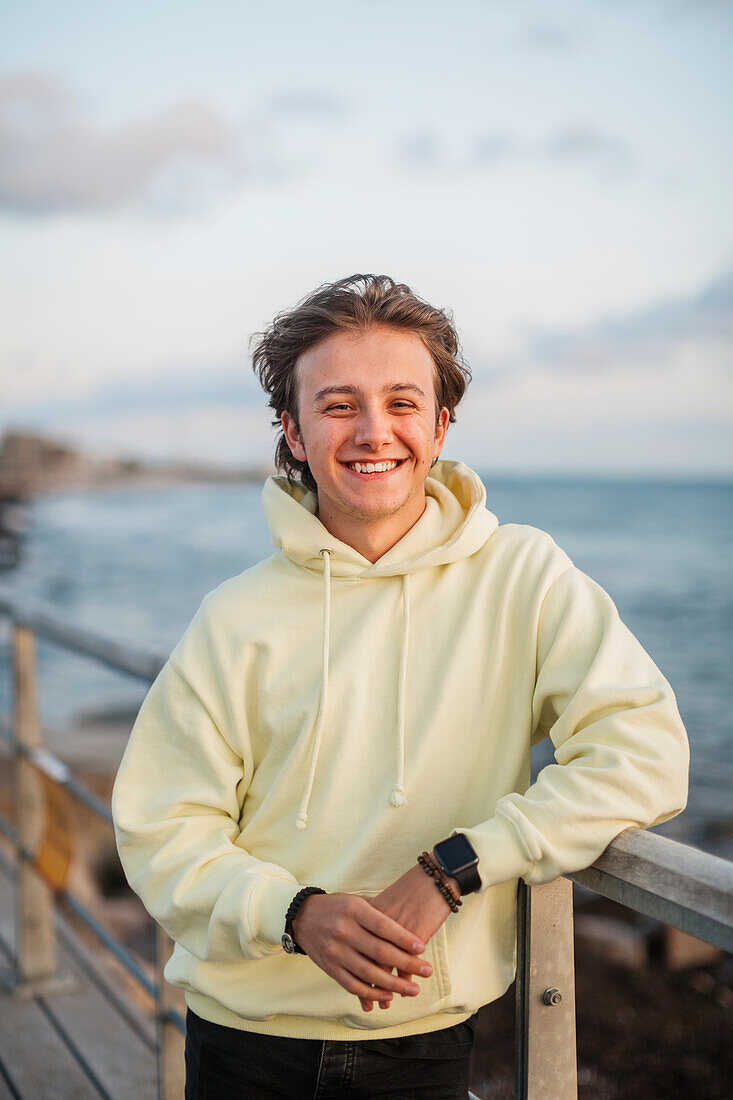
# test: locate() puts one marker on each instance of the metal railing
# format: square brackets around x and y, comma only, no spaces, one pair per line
[36,968]
[671,882]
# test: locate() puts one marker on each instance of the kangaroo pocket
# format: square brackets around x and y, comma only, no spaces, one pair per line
[292,985]
[434,992]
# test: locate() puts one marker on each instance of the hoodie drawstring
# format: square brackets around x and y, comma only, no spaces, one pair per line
[301,822]
[398,796]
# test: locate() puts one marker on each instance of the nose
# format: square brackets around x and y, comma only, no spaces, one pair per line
[373,429]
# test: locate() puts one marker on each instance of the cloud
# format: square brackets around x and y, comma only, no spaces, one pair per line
[424,150]
[164,390]
[494,148]
[42,89]
[587,144]
[420,150]
[651,335]
[56,158]
[649,391]
[312,103]
[544,36]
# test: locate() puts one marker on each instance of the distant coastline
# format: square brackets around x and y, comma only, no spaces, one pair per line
[32,464]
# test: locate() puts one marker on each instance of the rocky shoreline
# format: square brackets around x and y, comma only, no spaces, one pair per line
[31,463]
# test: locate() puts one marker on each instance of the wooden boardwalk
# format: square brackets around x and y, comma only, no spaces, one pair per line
[73,1045]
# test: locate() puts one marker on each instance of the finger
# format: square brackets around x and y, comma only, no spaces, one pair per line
[390,957]
[384,1002]
[379,924]
[367,970]
[402,974]
[362,990]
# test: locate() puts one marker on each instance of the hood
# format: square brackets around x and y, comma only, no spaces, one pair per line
[454,525]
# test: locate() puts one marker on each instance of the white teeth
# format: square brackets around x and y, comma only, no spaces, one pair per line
[372,467]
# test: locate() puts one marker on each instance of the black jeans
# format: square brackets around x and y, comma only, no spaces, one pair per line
[223,1063]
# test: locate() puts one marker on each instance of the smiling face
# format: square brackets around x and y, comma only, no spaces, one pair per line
[369,429]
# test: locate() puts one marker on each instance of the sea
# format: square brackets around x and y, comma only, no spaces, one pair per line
[134,563]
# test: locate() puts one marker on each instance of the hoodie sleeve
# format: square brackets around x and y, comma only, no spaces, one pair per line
[176,805]
[621,749]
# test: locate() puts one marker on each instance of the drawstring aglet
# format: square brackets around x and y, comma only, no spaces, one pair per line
[398,798]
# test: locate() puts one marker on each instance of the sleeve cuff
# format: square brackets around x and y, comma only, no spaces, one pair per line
[268,908]
[501,854]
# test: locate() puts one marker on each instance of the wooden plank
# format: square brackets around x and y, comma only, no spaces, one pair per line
[37,1061]
[673,869]
[672,882]
[116,1056]
[113,979]
[546,1048]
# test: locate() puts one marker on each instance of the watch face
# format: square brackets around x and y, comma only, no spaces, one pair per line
[456,852]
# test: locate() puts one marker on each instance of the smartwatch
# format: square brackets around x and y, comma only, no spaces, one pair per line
[458,859]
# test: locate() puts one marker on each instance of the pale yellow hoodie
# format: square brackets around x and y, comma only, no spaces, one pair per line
[325,719]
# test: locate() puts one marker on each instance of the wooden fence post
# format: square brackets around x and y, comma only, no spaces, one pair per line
[35,928]
[171,1042]
[545,1033]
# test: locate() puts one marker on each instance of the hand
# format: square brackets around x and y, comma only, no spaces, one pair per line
[359,946]
[415,903]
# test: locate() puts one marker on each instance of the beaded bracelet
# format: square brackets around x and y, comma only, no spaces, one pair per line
[445,890]
[434,869]
[439,876]
[431,868]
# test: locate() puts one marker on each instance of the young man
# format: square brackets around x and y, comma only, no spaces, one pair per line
[365,698]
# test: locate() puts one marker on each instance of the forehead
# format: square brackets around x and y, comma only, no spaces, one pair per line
[373,357]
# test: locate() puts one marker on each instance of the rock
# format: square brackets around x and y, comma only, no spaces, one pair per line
[620,943]
[681,951]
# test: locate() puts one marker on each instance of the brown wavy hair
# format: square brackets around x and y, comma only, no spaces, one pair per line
[348,305]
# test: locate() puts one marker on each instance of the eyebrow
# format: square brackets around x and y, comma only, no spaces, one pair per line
[396,387]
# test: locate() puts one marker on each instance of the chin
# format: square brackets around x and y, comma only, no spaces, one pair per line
[381,509]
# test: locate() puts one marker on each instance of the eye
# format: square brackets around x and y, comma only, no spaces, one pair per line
[340,406]
[402,405]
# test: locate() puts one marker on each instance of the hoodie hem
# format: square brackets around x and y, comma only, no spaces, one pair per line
[311,1027]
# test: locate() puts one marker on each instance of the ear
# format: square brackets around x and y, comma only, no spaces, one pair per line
[292,436]
[440,429]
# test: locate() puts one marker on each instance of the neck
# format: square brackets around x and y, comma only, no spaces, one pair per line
[371,538]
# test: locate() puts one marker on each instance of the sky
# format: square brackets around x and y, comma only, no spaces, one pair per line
[557,174]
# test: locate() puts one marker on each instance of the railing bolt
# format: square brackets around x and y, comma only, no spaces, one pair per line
[552,997]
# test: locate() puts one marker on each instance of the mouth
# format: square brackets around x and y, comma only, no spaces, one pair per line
[372,469]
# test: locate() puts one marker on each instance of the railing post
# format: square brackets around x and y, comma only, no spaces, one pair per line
[546,1058]
[171,1065]
[35,928]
